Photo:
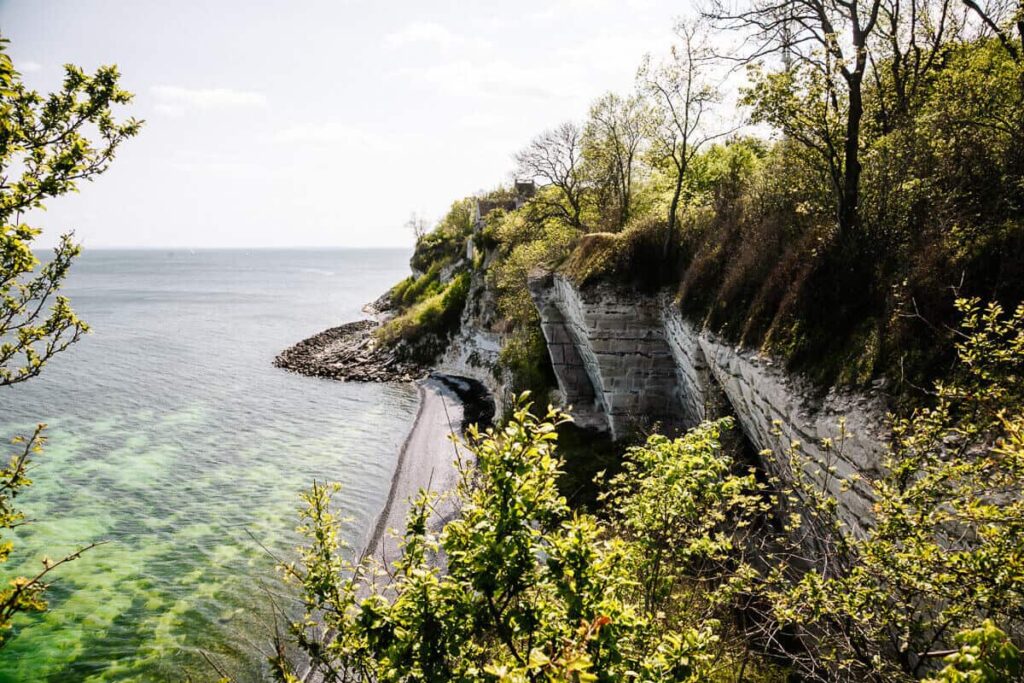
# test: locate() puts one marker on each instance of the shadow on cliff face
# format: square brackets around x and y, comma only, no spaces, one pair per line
[478,404]
[586,452]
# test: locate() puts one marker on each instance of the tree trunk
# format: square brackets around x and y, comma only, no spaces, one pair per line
[849,200]
[575,217]
[624,201]
[673,207]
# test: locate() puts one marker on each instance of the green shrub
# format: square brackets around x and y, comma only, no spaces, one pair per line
[488,237]
[446,243]
[398,291]
[413,290]
[421,330]
[525,361]
[524,244]
[516,589]
[986,655]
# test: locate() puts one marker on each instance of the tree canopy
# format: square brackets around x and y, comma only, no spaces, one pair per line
[48,145]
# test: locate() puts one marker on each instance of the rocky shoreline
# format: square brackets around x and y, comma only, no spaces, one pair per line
[349,352]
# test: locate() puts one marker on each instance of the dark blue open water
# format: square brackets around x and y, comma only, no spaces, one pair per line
[173,437]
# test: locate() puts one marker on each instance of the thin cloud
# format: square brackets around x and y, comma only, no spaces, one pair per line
[420,32]
[559,10]
[485,121]
[432,34]
[333,133]
[225,169]
[493,79]
[28,66]
[173,100]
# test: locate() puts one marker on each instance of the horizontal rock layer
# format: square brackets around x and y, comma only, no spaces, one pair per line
[622,359]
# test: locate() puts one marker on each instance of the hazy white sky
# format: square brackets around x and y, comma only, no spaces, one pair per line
[272,123]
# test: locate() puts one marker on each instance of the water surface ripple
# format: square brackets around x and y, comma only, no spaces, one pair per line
[172,437]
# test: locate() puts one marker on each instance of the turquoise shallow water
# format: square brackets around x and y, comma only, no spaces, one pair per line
[172,437]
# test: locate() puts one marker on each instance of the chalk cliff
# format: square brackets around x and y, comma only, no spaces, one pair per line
[623,359]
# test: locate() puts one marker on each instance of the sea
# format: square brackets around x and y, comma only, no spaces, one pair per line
[174,441]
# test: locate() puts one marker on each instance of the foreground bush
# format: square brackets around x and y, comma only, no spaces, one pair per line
[946,551]
[519,588]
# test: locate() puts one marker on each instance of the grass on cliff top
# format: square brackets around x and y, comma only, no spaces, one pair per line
[420,331]
[633,256]
[412,290]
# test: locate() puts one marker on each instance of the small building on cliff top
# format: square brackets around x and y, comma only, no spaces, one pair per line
[522,191]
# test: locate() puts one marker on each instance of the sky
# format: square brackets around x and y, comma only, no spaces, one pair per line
[316,122]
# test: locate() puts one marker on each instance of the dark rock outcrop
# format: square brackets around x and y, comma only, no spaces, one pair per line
[349,352]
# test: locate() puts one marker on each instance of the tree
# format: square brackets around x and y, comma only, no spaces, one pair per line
[47,146]
[555,158]
[613,140]
[419,225]
[912,38]
[829,41]
[683,96]
[1002,18]
[802,102]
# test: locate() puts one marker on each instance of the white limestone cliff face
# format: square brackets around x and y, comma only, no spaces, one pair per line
[610,355]
[474,350]
[473,353]
[620,357]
